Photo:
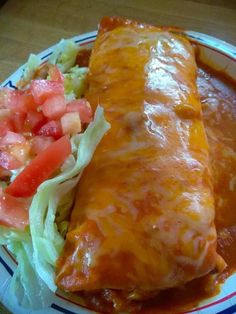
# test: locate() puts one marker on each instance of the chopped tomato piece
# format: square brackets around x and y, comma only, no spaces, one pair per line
[20,151]
[14,211]
[9,162]
[26,101]
[12,138]
[71,123]
[55,74]
[5,125]
[83,107]
[35,120]
[8,96]
[4,113]
[43,89]
[18,121]
[54,107]
[16,100]
[52,128]
[40,168]
[40,143]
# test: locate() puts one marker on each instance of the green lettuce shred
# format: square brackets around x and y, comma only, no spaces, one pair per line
[75,82]
[31,66]
[64,55]
[37,249]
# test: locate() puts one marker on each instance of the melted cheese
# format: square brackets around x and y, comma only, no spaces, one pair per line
[144,214]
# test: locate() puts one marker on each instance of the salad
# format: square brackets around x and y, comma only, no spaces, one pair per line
[48,134]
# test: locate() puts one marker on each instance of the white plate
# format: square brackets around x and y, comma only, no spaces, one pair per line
[215,53]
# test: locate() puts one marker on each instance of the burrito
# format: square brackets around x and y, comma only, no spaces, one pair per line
[143,219]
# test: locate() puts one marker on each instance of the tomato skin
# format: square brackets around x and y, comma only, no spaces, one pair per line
[40,168]
[35,120]
[14,212]
[9,162]
[52,128]
[43,89]
[83,107]
[54,107]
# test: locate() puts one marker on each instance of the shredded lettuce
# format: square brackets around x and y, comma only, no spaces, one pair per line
[31,66]
[26,287]
[75,82]
[38,249]
[64,55]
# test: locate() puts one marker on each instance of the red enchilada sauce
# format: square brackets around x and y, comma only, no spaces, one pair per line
[218,97]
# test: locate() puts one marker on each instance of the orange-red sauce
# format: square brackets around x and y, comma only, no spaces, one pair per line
[82,58]
[218,97]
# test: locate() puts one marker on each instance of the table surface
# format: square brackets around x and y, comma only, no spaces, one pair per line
[31,26]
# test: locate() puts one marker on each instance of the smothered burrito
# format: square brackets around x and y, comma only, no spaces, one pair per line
[143,219]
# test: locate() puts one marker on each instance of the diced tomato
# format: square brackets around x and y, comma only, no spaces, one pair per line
[14,211]
[43,89]
[8,96]
[9,162]
[4,113]
[70,123]
[35,120]
[83,107]
[12,138]
[26,101]
[16,100]
[20,151]
[18,121]
[40,143]
[52,128]
[55,74]
[40,168]
[54,107]
[5,125]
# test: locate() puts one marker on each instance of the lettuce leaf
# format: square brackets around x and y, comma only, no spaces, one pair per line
[31,66]
[75,82]
[42,214]
[64,55]
[26,287]
[38,247]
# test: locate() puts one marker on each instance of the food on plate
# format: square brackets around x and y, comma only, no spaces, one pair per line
[48,133]
[143,220]
[140,236]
